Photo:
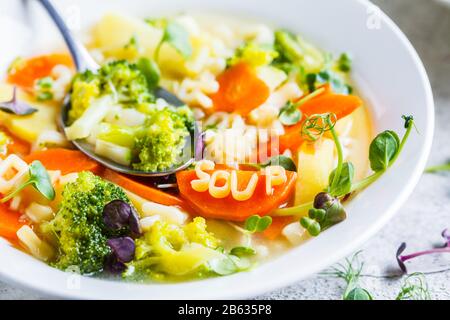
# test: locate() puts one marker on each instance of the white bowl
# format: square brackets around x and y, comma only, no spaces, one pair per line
[387,71]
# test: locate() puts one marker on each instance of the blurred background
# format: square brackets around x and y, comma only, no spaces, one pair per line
[427,213]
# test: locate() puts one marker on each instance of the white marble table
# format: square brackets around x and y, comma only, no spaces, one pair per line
[427,212]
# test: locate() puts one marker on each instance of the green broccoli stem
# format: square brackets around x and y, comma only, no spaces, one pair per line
[15,192]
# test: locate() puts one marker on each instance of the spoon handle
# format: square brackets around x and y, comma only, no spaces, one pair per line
[83,61]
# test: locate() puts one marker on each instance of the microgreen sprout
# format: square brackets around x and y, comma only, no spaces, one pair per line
[326,212]
[317,125]
[256,223]
[39,179]
[414,288]
[383,152]
[252,225]
[401,259]
[14,106]
[350,272]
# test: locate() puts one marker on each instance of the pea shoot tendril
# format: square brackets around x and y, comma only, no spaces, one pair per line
[383,152]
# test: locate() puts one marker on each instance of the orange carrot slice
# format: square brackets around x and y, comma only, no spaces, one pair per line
[240,90]
[26,72]
[142,190]
[228,208]
[9,222]
[65,160]
[340,105]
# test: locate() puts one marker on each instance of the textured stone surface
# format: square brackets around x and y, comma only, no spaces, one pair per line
[427,212]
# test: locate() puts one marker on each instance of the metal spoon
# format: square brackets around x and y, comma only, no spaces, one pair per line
[83,61]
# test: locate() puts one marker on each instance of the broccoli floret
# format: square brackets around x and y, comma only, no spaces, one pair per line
[125,80]
[253,54]
[160,142]
[120,79]
[85,89]
[78,225]
[169,250]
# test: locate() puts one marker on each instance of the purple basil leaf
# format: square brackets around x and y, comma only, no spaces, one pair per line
[116,214]
[122,248]
[14,106]
[400,262]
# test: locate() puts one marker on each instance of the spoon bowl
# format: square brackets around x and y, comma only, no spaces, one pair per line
[83,61]
[88,149]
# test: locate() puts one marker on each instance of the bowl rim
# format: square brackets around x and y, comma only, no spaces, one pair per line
[284,280]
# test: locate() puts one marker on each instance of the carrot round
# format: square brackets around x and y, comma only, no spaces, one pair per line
[9,222]
[240,90]
[65,160]
[142,190]
[230,209]
[339,104]
[26,72]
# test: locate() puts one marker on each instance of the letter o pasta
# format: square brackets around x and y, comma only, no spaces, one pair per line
[223,191]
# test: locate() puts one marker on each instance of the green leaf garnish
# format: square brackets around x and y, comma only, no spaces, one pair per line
[280,160]
[290,114]
[175,35]
[257,224]
[223,267]
[229,264]
[326,76]
[283,161]
[343,183]
[39,179]
[383,149]
[358,294]
[150,70]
